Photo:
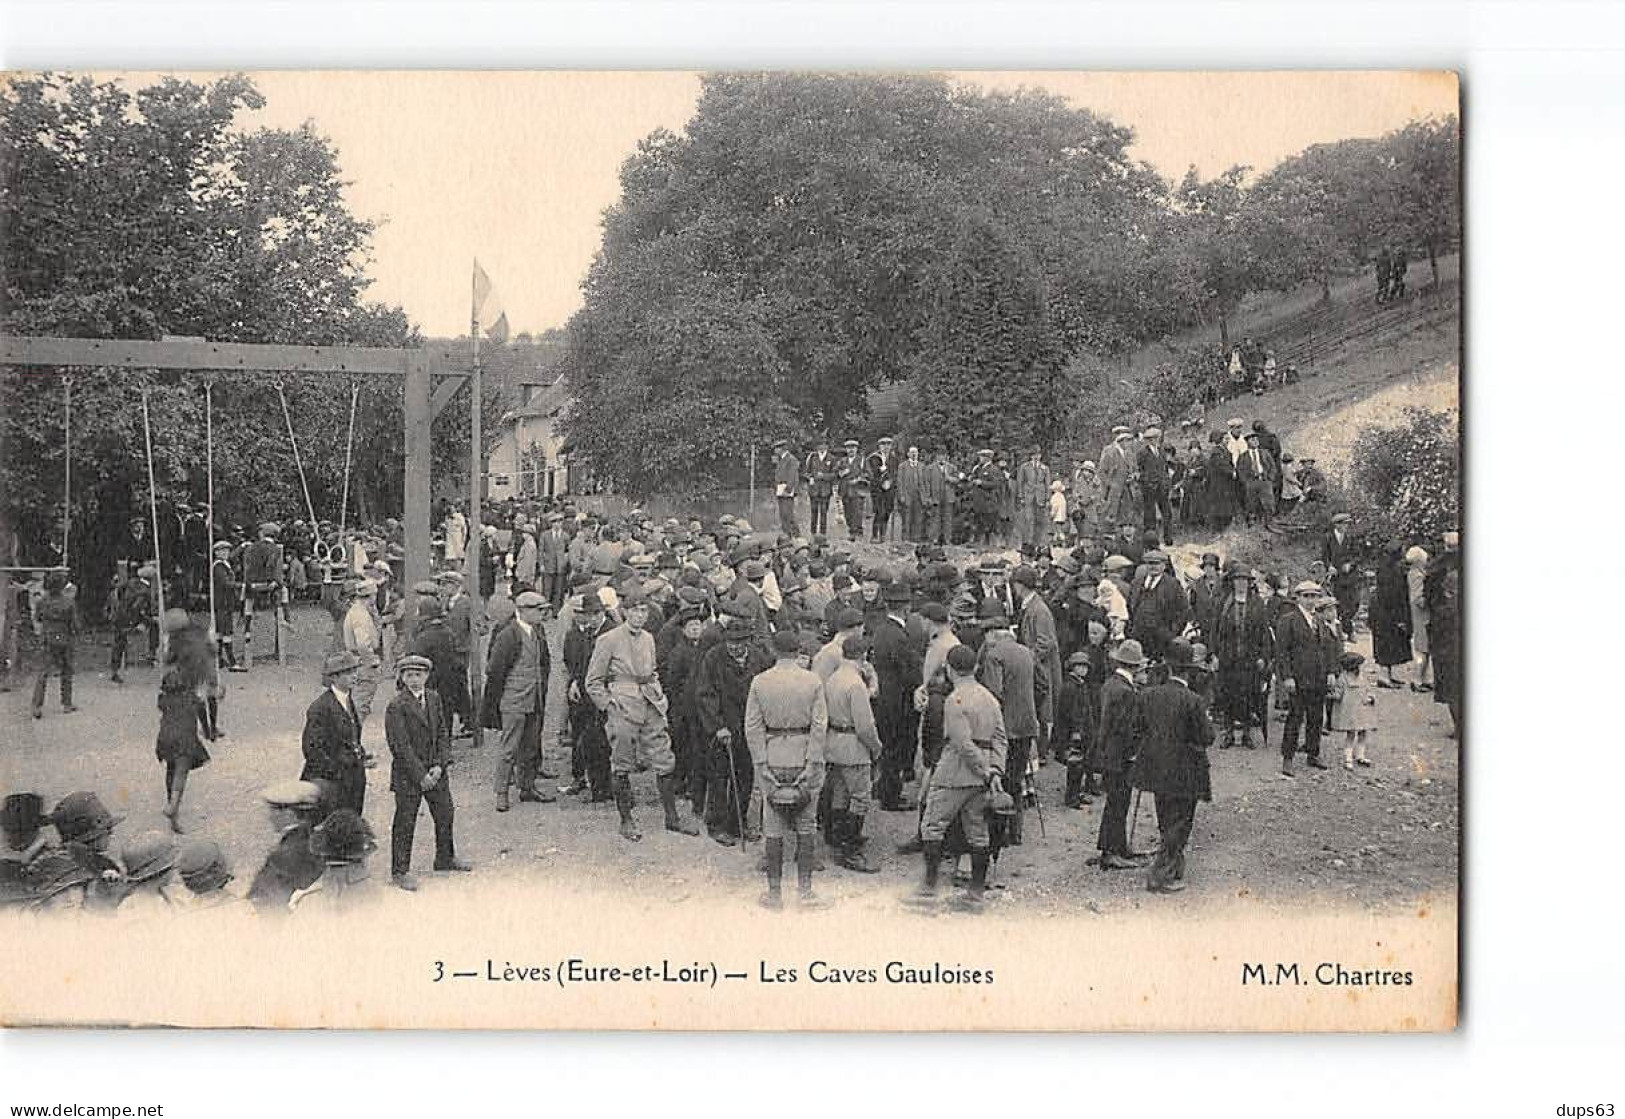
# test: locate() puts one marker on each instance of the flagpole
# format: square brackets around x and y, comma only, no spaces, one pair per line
[471,557]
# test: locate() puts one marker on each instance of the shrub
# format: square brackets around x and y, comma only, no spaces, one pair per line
[1411,473]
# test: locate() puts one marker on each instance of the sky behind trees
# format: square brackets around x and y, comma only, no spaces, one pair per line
[516,168]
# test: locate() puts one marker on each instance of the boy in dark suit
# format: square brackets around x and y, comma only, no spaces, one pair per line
[419,739]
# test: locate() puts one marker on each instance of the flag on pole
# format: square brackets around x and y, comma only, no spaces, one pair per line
[488,314]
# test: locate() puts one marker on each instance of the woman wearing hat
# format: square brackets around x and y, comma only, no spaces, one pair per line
[79,875]
[1241,639]
[331,741]
[1389,613]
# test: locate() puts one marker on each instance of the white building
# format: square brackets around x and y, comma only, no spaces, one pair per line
[528,459]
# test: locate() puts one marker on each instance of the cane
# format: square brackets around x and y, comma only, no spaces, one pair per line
[733,792]
[1038,807]
[1135,819]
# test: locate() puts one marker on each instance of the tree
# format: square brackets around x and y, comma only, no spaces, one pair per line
[145,213]
[1314,215]
[1425,185]
[785,257]
[1214,262]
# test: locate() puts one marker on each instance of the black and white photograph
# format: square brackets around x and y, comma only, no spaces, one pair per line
[732,549]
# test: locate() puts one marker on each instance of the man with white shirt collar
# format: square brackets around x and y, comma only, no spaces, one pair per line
[331,742]
[419,738]
[1302,666]
[516,699]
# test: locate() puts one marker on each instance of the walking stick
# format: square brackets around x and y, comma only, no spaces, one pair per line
[1135,819]
[733,792]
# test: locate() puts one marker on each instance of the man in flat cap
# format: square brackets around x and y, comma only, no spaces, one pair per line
[822,471]
[1155,483]
[1116,472]
[852,484]
[1342,559]
[295,808]
[418,733]
[786,485]
[881,468]
[331,741]
[515,701]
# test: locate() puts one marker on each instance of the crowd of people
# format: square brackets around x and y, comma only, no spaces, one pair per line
[776,685]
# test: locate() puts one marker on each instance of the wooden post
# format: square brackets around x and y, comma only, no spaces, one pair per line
[415,506]
[471,557]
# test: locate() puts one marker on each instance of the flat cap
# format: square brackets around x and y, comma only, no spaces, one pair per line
[529,599]
[292,794]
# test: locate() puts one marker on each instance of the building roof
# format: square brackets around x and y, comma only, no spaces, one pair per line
[549,401]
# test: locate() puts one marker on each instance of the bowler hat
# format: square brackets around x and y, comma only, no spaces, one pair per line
[344,837]
[992,614]
[590,604]
[737,628]
[335,663]
[1179,654]
[1026,575]
[1129,652]
[22,817]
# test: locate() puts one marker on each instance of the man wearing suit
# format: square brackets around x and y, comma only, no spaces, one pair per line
[1116,472]
[1270,444]
[1342,562]
[1157,608]
[821,471]
[553,561]
[419,737]
[589,745]
[525,560]
[1152,468]
[786,485]
[331,742]
[881,468]
[516,699]
[899,664]
[1035,629]
[852,484]
[1172,765]
[1006,669]
[1113,753]
[940,495]
[986,480]
[1256,471]
[911,495]
[1032,499]
[462,627]
[1301,666]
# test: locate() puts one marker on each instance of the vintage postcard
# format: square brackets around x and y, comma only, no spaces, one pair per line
[733,550]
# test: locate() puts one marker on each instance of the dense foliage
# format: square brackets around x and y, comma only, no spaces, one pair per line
[1411,474]
[813,237]
[139,214]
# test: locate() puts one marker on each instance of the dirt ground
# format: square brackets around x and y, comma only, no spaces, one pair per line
[1385,836]
[1377,837]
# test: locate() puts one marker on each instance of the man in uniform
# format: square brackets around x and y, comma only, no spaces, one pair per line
[1305,671]
[971,766]
[1172,764]
[623,684]
[881,468]
[786,485]
[515,700]
[851,750]
[852,484]
[786,722]
[822,470]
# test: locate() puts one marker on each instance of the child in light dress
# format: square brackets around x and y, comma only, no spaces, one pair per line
[1353,710]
